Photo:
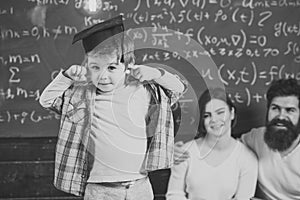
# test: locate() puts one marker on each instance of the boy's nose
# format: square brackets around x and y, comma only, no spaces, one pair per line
[103,75]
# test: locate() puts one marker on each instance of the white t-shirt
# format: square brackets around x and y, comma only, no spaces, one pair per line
[195,179]
[118,139]
[278,176]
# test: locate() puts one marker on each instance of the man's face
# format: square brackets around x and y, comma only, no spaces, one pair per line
[282,123]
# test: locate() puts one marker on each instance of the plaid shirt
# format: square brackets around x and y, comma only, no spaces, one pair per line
[76,109]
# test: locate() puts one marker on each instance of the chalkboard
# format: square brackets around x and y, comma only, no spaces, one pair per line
[242,45]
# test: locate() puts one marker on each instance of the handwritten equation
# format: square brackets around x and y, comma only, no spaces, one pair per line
[37,32]
[250,42]
[249,74]
[222,3]
[23,117]
[235,45]
[19,93]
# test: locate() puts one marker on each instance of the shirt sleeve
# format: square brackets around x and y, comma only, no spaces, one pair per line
[174,85]
[171,82]
[53,92]
[253,139]
[248,139]
[248,174]
[177,182]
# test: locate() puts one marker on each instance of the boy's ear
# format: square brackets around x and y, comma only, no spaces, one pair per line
[127,71]
[129,68]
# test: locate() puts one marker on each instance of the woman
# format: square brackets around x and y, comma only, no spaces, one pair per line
[219,167]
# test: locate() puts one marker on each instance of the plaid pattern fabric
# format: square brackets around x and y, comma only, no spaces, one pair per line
[76,108]
[71,149]
[160,151]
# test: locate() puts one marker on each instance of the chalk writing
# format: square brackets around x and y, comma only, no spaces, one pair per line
[49,2]
[8,11]
[38,33]
[248,43]
[25,116]
[18,92]
[20,59]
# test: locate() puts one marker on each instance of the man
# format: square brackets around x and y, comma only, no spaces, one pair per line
[277,144]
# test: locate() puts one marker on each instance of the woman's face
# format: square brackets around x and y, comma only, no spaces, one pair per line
[217,118]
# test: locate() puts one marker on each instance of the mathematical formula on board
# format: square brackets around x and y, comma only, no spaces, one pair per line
[251,43]
[249,73]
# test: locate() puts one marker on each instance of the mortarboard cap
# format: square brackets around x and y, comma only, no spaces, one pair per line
[96,34]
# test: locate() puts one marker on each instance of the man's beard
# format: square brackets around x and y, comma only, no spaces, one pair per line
[282,137]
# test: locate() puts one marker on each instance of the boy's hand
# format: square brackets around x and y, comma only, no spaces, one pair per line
[76,73]
[180,155]
[144,73]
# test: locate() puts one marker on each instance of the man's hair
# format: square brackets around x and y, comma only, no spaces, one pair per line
[120,44]
[207,95]
[283,88]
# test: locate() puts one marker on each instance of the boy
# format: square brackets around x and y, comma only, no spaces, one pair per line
[108,109]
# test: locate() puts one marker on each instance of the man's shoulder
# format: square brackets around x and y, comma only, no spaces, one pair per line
[254,137]
[257,131]
[254,132]
[247,154]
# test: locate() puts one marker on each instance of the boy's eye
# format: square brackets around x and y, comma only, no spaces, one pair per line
[95,67]
[111,67]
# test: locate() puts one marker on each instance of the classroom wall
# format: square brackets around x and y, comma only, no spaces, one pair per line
[241,45]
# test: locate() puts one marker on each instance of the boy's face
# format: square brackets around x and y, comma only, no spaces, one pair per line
[106,72]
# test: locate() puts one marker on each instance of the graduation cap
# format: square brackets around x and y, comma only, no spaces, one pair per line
[96,34]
